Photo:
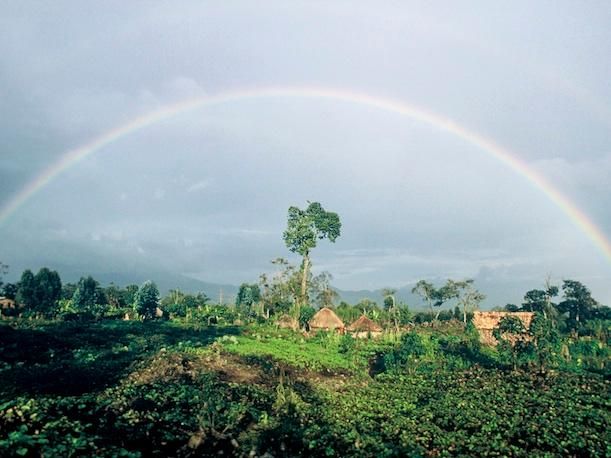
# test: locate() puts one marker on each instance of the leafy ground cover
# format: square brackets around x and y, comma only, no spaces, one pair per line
[169,389]
[324,353]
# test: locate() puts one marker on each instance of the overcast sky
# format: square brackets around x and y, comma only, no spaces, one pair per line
[205,193]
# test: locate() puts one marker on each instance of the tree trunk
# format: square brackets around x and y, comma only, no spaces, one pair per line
[395,313]
[437,314]
[304,282]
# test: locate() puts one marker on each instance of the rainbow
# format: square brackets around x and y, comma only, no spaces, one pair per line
[444,124]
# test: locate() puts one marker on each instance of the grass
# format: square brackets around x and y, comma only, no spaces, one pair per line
[321,353]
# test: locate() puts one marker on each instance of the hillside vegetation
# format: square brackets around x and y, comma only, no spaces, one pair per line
[87,370]
[125,388]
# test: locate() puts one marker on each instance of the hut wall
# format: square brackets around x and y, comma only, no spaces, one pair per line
[486,322]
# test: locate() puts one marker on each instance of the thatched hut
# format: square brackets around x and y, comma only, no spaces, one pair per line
[6,303]
[364,327]
[287,322]
[326,320]
[486,322]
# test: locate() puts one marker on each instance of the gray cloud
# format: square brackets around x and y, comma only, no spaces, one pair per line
[206,192]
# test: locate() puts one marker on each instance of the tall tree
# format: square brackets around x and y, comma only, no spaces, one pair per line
[3,271]
[577,302]
[435,297]
[304,229]
[540,300]
[88,296]
[26,292]
[321,289]
[390,304]
[546,341]
[280,290]
[248,294]
[511,308]
[427,292]
[146,300]
[445,293]
[534,301]
[48,290]
[550,311]
[469,297]
[130,294]
[390,301]
[115,296]
[9,290]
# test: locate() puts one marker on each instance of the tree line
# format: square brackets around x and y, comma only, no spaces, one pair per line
[291,289]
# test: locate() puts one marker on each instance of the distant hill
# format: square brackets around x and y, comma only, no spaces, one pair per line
[165,281]
[498,293]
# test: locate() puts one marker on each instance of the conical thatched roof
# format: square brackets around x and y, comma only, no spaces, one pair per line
[288,322]
[326,318]
[364,324]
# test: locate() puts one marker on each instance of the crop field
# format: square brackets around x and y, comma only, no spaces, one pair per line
[128,388]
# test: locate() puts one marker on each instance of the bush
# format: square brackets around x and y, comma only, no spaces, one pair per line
[346,344]
[410,349]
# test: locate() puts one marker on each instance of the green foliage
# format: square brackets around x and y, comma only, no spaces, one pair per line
[48,291]
[511,308]
[179,304]
[39,293]
[436,297]
[320,354]
[114,388]
[577,302]
[410,350]
[146,300]
[388,303]
[546,342]
[307,226]
[347,312]
[346,344]
[88,300]
[211,314]
[589,354]
[9,290]
[280,290]
[304,229]
[534,301]
[3,271]
[248,295]
[470,413]
[305,315]
[321,290]
[26,292]
[512,346]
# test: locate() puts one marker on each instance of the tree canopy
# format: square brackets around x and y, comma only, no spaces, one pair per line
[147,300]
[304,229]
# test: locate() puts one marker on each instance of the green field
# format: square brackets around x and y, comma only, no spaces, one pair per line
[128,388]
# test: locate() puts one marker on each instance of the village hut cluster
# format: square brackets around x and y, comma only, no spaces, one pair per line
[327,320]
